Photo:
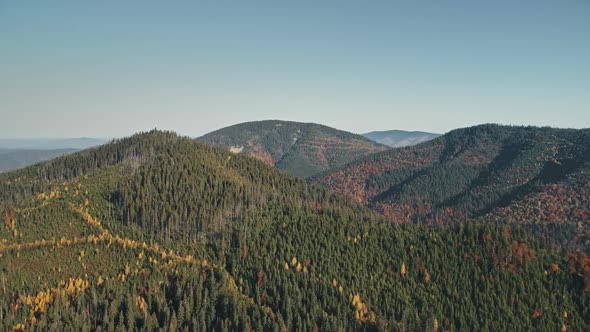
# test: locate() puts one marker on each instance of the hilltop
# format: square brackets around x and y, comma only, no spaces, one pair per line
[158,231]
[300,149]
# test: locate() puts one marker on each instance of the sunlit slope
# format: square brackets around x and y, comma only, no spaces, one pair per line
[301,149]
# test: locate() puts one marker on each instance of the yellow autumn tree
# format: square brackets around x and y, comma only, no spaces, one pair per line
[141,304]
[362,312]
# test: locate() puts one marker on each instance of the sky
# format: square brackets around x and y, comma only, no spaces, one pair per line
[113,68]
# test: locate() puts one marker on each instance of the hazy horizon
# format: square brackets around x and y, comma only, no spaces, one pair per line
[106,139]
[72,69]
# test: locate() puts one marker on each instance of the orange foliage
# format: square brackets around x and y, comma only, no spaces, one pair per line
[244,252]
[141,304]
[260,279]
[522,253]
[9,218]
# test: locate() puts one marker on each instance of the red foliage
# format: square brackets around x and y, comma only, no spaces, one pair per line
[554,203]
[244,252]
[580,264]
[259,152]
[352,180]
[260,279]
[522,253]
[9,217]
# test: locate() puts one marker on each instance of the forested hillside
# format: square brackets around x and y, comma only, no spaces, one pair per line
[158,231]
[301,149]
[476,171]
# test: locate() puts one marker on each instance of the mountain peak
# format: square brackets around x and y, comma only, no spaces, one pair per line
[301,149]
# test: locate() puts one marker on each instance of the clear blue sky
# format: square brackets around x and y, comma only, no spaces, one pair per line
[104,68]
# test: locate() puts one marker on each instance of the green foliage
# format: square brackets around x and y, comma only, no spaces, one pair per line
[161,232]
[300,149]
[488,171]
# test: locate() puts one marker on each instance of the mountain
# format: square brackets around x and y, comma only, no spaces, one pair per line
[11,159]
[488,171]
[300,149]
[157,231]
[19,153]
[400,138]
[50,143]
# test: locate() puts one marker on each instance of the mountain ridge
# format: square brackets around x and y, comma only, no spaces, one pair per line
[78,143]
[478,163]
[19,153]
[12,159]
[301,149]
[158,231]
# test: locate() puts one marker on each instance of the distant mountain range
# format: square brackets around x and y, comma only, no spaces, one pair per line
[51,143]
[301,149]
[18,153]
[400,138]
[15,159]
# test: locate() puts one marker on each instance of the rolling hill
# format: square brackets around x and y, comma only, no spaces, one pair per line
[301,149]
[400,138]
[157,231]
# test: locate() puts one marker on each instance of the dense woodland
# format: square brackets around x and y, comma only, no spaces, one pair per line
[158,231]
[488,172]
